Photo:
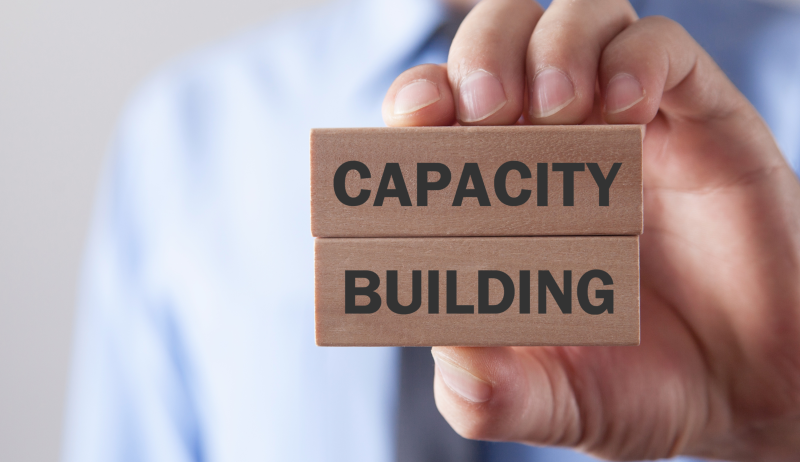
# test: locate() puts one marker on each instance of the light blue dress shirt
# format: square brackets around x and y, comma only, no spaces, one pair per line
[195,338]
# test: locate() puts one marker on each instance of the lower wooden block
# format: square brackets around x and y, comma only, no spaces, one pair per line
[477,291]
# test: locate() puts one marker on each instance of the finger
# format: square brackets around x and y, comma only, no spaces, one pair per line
[655,73]
[621,403]
[563,56]
[656,64]
[420,96]
[505,394]
[486,65]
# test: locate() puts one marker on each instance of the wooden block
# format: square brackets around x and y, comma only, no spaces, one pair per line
[365,182]
[347,270]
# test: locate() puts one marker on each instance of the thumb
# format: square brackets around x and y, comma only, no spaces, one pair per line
[486,393]
[628,403]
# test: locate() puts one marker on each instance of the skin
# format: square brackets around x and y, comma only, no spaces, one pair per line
[717,373]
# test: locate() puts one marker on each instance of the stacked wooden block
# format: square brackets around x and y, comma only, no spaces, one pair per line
[477,235]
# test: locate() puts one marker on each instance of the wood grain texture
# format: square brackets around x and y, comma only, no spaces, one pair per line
[489,147]
[617,256]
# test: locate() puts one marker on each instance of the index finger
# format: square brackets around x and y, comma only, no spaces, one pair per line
[483,82]
[486,65]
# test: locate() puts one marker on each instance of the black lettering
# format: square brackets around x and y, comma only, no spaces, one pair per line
[452,296]
[607,295]
[433,292]
[351,291]
[569,170]
[478,191]
[604,183]
[524,292]
[500,183]
[340,188]
[541,185]
[483,292]
[391,293]
[393,173]
[423,185]
[563,299]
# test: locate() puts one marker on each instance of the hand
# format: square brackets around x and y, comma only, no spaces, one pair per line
[718,370]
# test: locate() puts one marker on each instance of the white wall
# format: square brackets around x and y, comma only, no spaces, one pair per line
[65,71]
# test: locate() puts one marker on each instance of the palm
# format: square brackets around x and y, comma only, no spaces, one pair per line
[704,320]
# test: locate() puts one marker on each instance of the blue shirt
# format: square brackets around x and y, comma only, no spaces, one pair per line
[195,338]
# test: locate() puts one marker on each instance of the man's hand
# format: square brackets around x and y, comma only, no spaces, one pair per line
[718,370]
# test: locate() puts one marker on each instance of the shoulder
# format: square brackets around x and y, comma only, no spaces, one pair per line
[198,127]
[211,102]
[272,58]
[326,55]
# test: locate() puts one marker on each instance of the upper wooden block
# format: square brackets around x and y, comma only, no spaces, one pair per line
[476,181]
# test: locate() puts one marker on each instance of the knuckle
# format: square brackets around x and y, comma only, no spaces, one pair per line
[664,25]
[526,7]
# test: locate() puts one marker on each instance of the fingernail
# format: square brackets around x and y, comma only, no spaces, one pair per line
[462,382]
[415,96]
[623,92]
[551,92]
[481,95]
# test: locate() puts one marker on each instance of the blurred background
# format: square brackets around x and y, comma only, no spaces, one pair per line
[66,69]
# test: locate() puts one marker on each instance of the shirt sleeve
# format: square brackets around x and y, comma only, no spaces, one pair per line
[129,396]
